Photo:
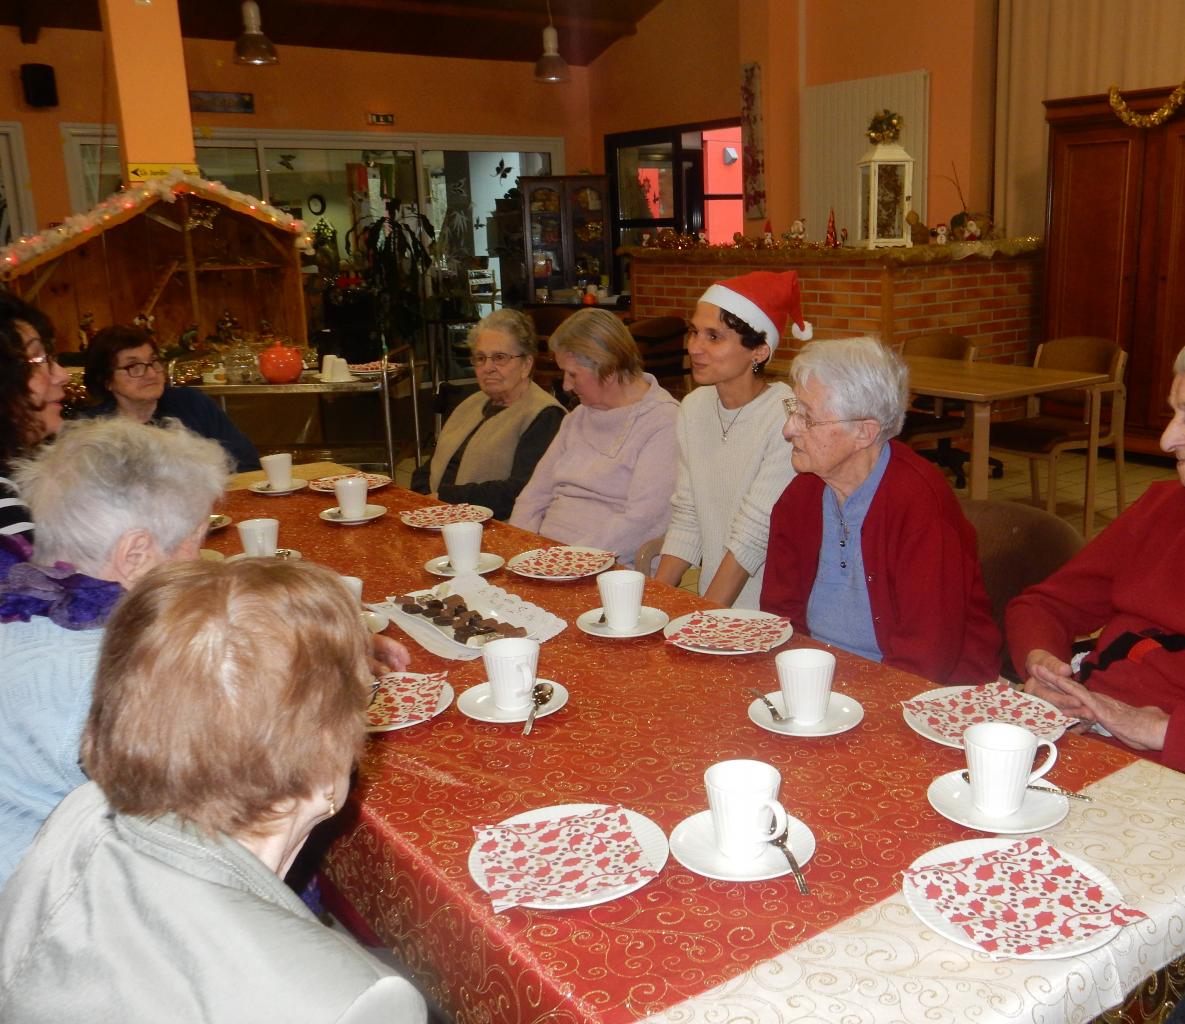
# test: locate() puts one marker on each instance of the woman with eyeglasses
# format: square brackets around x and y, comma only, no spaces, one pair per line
[732,459]
[32,388]
[868,548]
[491,443]
[126,375]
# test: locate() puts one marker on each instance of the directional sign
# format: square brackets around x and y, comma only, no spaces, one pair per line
[142,171]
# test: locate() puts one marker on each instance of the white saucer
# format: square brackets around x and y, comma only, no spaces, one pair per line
[334,515]
[693,844]
[650,620]
[263,487]
[950,796]
[486,562]
[376,622]
[476,702]
[843,713]
[218,521]
[283,554]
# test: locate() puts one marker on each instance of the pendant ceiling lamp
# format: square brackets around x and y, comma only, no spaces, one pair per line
[551,67]
[253,47]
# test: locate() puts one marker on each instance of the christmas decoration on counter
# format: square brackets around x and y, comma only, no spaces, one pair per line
[919,233]
[832,238]
[1153,120]
[885,175]
[798,228]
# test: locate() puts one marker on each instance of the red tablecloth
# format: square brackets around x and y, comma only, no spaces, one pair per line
[644,721]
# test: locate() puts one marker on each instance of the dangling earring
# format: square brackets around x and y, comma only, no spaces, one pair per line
[756,367]
[332,803]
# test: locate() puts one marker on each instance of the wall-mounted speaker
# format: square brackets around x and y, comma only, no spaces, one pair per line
[39,85]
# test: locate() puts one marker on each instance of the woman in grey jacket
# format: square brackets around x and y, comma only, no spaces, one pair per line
[227,715]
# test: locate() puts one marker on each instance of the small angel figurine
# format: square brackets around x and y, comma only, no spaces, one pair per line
[942,234]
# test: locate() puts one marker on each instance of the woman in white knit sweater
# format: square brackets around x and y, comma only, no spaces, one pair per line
[733,461]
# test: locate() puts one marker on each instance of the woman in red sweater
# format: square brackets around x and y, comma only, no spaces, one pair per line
[868,548]
[1127,581]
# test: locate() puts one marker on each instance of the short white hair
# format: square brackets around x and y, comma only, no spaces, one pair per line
[866,380]
[104,477]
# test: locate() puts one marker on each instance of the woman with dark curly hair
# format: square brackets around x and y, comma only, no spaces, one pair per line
[31,392]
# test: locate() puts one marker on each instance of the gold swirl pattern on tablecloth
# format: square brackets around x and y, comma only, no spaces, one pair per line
[644,721]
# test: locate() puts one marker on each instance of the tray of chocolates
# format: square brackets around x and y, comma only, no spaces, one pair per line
[455,620]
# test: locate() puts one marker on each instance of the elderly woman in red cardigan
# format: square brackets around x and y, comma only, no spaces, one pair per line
[1126,582]
[868,548]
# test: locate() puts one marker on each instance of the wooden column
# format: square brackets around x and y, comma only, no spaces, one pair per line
[143,39]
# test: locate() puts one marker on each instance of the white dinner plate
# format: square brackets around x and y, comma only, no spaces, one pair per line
[693,843]
[478,703]
[433,517]
[932,919]
[920,726]
[283,554]
[371,513]
[446,698]
[651,838]
[675,625]
[263,487]
[516,563]
[486,562]
[650,620]
[843,713]
[950,796]
[218,521]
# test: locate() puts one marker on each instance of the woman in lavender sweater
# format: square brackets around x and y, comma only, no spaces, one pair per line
[607,478]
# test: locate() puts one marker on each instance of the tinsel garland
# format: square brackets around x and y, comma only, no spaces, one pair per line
[141,194]
[1153,120]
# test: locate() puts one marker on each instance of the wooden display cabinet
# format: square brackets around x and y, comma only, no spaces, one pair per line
[183,262]
[565,234]
[1115,237]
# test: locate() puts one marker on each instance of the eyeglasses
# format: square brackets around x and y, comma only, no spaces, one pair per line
[499,359]
[42,361]
[790,405]
[137,370]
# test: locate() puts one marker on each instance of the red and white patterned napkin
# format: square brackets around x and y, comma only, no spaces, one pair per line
[1020,899]
[436,516]
[404,698]
[950,713]
[724,632]
[325,483]
[564,860]
[563,562]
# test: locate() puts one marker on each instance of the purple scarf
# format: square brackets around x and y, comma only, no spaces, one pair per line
[63,595]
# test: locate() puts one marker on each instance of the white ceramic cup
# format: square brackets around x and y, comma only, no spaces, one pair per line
[743,800]
[278,468]
[805,675]
[511,664]
[354,586]
[1000,764]
[259,536]
[351,496]
[621,597]
[341,370]
[462,541]
[327,367]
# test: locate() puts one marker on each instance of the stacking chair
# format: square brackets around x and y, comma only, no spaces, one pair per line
[1052,425]
[645,561]
[660,340]
[930,419]
[1018,546]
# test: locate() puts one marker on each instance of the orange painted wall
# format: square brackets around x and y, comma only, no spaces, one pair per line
[952,39]
[681,66]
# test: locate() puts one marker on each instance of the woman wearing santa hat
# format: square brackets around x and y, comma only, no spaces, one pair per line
[732,458]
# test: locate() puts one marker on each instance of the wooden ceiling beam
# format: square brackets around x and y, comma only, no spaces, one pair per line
[31,20]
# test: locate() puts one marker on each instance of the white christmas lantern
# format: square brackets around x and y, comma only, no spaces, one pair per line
[886,185]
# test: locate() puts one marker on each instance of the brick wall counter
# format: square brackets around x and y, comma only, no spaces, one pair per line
[987,291]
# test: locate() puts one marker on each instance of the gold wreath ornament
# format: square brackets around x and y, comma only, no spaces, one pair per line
[1153,120]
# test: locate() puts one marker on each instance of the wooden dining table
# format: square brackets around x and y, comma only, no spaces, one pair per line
[644,720]
[981,384]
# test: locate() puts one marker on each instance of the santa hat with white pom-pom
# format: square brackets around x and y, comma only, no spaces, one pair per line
[765,300]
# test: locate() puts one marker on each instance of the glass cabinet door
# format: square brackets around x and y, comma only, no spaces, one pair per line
[588,234]
[545,225]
